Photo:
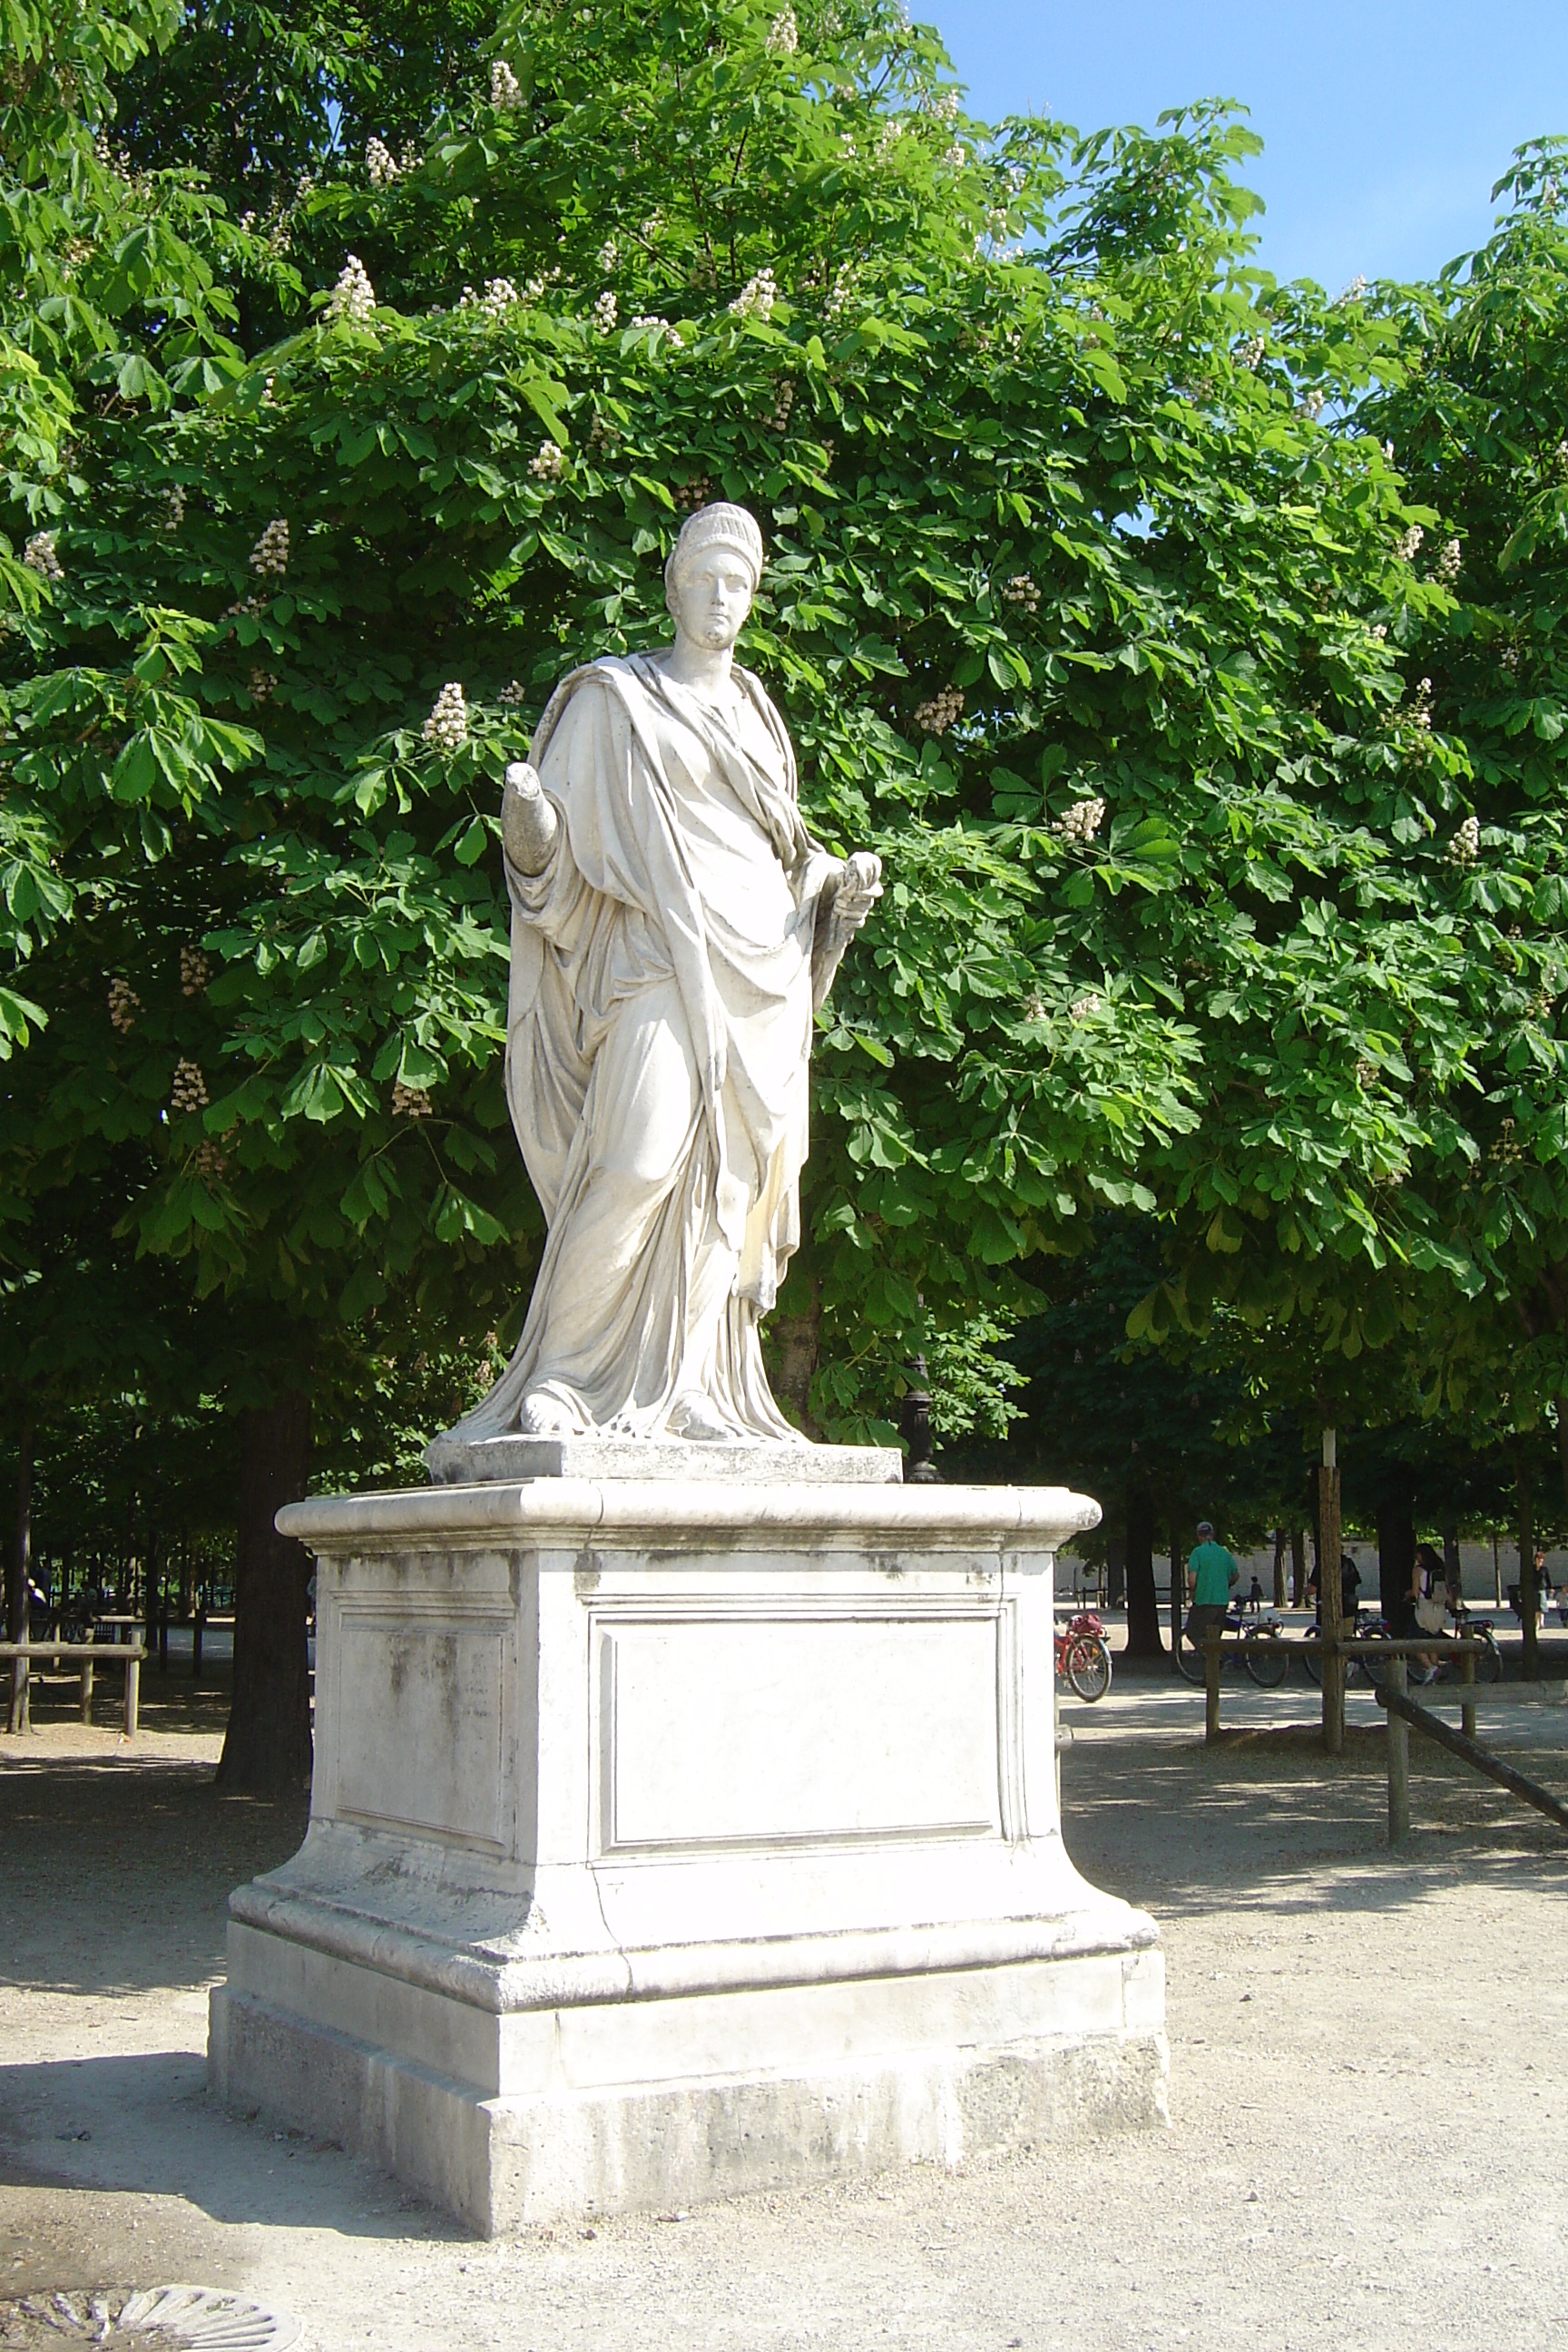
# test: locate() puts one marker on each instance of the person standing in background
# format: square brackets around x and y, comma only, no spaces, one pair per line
[1212,1576]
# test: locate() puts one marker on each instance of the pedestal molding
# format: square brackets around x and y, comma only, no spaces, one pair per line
[503,1987]
[657,1512]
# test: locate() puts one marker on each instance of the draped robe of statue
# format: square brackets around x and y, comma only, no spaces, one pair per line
[658,1035]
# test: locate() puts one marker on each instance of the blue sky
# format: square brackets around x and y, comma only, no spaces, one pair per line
[1386,123]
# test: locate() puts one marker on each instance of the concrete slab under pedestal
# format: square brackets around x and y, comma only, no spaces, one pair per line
[667,1844]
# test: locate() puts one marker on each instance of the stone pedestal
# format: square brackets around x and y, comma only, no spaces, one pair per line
[672,1840]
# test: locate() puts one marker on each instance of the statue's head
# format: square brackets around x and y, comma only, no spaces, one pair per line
[712,574]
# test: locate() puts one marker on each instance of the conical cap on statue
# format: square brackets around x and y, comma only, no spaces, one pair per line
[719,525]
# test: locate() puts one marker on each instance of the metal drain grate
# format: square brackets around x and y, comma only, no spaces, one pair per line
[151,2319]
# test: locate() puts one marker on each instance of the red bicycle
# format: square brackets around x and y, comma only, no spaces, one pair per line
[1083,1655]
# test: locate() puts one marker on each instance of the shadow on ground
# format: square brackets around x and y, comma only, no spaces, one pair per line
[1268,1819]
[154,1851]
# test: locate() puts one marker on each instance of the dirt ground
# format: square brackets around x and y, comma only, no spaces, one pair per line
[1369,2083]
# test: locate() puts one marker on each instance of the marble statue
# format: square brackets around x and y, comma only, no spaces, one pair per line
[675,928]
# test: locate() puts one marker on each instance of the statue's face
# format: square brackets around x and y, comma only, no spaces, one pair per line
[713,598]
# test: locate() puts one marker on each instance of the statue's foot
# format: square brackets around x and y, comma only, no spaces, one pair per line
[543,1416]
[692,1417]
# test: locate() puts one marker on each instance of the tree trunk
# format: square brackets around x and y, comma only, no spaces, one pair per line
[794,1343]
[1396,1543]
[1279,1568]
[1142,1606]
[1329,1506]
[1453,1565]
[1298,1568]
[18,1566]
[1529,1584]
[1178,1582]
[266,1749]
[1561,1405]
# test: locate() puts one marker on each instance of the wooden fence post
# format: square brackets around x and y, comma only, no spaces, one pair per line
[1211,1683]
[1328,1548]
[1467,1681]
[1398,1760]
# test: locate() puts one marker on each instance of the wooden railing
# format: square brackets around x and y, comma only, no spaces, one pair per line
[88,1656]
[1403,1711]
[1392,1694]
[1426,1646]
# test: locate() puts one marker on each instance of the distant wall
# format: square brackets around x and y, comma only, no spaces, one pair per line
[1475,1564]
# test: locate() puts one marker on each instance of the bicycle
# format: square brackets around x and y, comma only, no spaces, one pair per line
[1265,1659]
[1083,1655]
[1366,1628]
[1489,1657]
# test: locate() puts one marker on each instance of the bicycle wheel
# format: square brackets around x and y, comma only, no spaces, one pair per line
[1488,1663]
[1312,1666]
[1376,1669]
[1266,1659]
[1190,1661]
[1088,1666]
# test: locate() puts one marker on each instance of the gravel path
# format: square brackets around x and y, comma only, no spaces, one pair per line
[1369,2138]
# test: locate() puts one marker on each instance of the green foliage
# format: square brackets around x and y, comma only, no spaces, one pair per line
[1092,600]
[1480,421]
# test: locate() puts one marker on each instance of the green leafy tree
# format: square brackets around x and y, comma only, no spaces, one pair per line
[1079,603]
[1480,420]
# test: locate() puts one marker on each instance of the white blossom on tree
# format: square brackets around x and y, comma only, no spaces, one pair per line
[447,728]
[40,555]
[1082,822]
[352,299]
[944,709]
[124,1004]
[756,296]
[189,1091]
[269,556]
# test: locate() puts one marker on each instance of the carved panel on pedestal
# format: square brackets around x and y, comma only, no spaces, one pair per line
[428,1697]
[778,1730]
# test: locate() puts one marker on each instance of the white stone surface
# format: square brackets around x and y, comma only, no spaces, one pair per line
[675,928]
[460,1461]
[669,1841]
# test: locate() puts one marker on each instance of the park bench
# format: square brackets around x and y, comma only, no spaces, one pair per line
[88,1656]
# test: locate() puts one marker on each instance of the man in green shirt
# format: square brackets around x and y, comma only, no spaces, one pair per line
[1212,1574]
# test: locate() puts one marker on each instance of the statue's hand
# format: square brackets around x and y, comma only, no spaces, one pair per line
[860,887]
[529,824]
[848,895]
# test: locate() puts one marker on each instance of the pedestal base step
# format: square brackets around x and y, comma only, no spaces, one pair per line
[504,2162]
[462,1462]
